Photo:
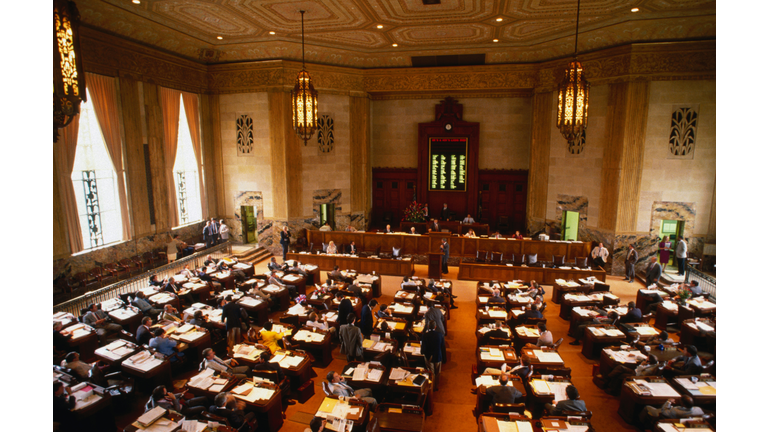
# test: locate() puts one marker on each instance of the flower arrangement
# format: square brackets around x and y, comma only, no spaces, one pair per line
[414,212]
[683,294]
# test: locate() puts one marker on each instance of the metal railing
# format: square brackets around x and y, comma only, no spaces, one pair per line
[135,283]
[706,282]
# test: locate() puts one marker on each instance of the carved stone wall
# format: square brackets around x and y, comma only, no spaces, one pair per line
[247,198]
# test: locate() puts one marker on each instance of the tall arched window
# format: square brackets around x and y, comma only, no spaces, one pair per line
[95,184]
[186,175]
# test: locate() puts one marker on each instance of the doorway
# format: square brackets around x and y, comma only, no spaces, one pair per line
[327,214]
[570,224]
[675,230]
[248,218]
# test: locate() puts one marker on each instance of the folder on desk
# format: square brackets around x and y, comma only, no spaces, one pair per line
[151,416]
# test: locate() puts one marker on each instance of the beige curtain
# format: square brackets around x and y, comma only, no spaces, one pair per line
[64,157]
[103,96]
[191,107]
[170,101]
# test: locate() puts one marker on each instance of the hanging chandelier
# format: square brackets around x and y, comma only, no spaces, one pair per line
[304,99]
[573,96]
[68,74]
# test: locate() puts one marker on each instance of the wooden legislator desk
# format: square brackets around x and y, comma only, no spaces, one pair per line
[398,418]
[460,246]
[393,267]
[631,401]
[545,276]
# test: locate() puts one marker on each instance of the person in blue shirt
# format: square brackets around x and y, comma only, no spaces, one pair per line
[164,345]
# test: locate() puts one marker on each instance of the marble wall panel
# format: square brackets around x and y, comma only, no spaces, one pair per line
[668,210]
[246,198]
[578,204]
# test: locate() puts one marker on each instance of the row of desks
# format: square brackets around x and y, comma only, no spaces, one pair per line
[460,246]
[395,267]
[546,276]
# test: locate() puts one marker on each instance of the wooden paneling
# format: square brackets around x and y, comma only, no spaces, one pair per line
[504,194]
[214,172]
[135,171]
[362,265]
[154,118]
[460,246]
[538,176]
[390,193]
[489,272]
[359,154]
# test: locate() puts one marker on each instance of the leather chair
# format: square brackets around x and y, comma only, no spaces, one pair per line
[325,247]
[249,425]
[560,371]
[581,262]
[496,257]
[530,259]
[395,252]
[586,415]
[481,256]
[518,259]
[558,260]
[557,344]
[518,408]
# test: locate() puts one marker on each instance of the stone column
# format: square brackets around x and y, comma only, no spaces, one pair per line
[359,156]
[538,174]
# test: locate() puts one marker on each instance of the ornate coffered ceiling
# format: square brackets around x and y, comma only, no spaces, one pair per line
[345,33]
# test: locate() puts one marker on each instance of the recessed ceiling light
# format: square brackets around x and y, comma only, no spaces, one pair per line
[271,33]
[136,2]
[219,37]
[495,40]
[635,9]
[380,26]
[394,45]
[499,19]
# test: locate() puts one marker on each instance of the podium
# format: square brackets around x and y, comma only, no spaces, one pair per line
[435,260]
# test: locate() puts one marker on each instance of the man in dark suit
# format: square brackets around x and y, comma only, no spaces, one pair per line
[345,307]
[215,232]
[634,314]
[352,249]
[231,314]
[351,339]
[653,273]
[62,407]
[432,226]
[366,319]
[285,241]
[530,312]
[143,333]
[687,364]
[570,404]
[445,249]
[273,265]
[503,393]
[432,347]
[629,264]
[445,213]
[225,405]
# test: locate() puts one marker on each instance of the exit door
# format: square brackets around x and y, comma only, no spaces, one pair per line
[327,215]
[570,225]
[249,224]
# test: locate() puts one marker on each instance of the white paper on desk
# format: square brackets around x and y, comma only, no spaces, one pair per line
[277,358]
[497,313]
[217,388]
[250,301]
[162,425]
[577,428]
[688,384]
[646,331]
[380,346]
[523,426]
[242,388]
[614,332]
[122,351]
[486,380]
[662,390]
[541,387]
[398,374]
[191,336]
[704,327]
[506,426]
[374,374]
[292,361]
[192,426]
[548,357]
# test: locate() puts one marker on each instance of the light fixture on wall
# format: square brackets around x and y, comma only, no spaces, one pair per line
[68,74]
[573,95]
[304,99]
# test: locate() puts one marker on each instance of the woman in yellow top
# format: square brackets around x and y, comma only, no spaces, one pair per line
[270,338]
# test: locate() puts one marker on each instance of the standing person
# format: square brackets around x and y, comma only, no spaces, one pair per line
[445,213]
[653,273]
[366,318]
[426,211]
[223,231]
[681,253]
[285,240]
[351,339]
[172,248]
[206,228]
[445,249]
[432,347]
[629,264]
[664,248]
[230,313]
[599,255]
[215,230]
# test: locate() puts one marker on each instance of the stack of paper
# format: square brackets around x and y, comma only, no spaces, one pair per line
[496,313]
[528,332]
[398,374]
[646,331]
[203,380]
[250,301]
[308,336]
[547,357]
[486,380]
[541,387]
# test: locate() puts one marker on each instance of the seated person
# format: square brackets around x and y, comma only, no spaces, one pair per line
[570,404]
[274,280]
[687,364]
[99,320]
[187,273]
[200,320]
[615,378]
[273,265]
[531,312]
[263,364]
[610,319]
[239,275]
[296,268]
[326,227]
[164,345]
[497,298]
[170,313]
[413,231]
[470,234]
[62,407]
[144,332]
[227,368]
[80,368]
[210,260]
[383,311]
[336,274]
[259,293]
[322,324]
[154,281]
[352,249]
[633,315]
[225,405]
[517,236]
[408,282]
[205,277]
[318,423]
[350,228]
[468,220]
[649,416]
[661,338]
[356,289]
[339,387]
[271,339]
[545,336]
[163,398]
[140,301]
[538,304]
[695,289]
[503,393]
[60,341]
[331,249]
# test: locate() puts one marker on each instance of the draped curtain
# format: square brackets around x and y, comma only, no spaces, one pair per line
[64,156]
[104,98]
[170,102]
[191,107]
